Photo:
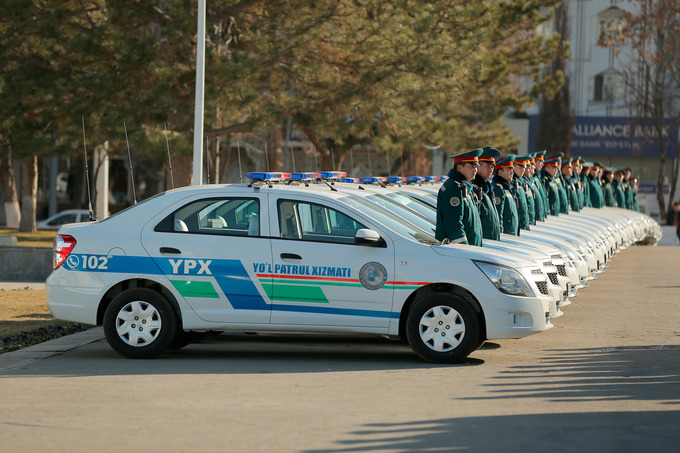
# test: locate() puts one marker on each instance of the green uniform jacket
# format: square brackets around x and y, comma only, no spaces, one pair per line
[572,190]
[506,206]
[539,192]
[586,190]
[552,194]
[596,195]
[628,191]
[619,195]
[457,215]
[608,193]
[564,196]
[531,200]
[491,225]
[522,207]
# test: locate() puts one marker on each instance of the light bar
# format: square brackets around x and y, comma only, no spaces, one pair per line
[267,176]
[428,178]
[372,179]
[301,176]
[396,179]
[415,179]
[331,174]
[350,180]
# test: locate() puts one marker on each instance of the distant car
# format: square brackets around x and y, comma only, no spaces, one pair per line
[69,216]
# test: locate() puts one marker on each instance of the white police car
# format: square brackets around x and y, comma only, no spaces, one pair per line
[264,257]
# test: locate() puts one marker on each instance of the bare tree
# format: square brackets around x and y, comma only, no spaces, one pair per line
[649,46]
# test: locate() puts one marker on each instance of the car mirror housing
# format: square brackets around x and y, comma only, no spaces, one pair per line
[365,236]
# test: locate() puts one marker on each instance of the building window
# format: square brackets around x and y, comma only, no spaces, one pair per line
[611,25]
[608,87]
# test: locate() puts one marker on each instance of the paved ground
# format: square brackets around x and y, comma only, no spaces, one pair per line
[606,378]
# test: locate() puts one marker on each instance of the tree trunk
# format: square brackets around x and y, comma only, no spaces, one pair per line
[319,148]
[29,193]
[9,190]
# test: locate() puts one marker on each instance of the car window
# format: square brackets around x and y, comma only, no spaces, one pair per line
[315,222]
[235,216]
[71,217]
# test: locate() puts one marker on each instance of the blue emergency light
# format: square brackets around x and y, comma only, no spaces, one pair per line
[350,180]
[267,176]
[371,179]
[302,176]
[331,174]
[395,179]
[415,179]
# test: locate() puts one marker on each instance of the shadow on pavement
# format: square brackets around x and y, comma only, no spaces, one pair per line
[590,431]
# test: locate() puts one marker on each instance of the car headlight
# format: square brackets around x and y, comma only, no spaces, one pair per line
[506,279]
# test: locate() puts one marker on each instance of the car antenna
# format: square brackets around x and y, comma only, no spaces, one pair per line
[167,145]
[240,170]
[207,159]
[132,175]
[87,174]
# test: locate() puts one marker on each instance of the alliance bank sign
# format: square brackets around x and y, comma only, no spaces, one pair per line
[618,137]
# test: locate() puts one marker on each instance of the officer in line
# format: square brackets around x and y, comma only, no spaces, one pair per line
[562,185]
[617,188]
[585,169]
[596,194]
[458,219]
[607,189]
[539,190]
[523,193]
[503,199]
[576,169]
[549,176]
[628,188]
[634,190]
[491,227]
[569,189]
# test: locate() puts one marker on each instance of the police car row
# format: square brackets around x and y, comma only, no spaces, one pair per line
[305,254]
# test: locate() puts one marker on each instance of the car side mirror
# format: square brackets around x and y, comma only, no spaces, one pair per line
[365,236]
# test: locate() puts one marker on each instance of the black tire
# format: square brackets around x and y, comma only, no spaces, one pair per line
[184,338]
[139,324]
[442,328]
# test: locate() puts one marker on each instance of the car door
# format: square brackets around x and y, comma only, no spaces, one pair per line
[318,275]
[206,245]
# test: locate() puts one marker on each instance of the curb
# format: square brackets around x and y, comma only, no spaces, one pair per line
[16,359]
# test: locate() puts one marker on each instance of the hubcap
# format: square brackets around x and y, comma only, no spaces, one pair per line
[442,328]
[138,323]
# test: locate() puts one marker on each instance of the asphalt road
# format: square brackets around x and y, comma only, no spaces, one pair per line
[605,379]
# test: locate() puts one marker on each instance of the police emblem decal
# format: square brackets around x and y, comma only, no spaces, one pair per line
[496,200]
[455,201]
[373,275]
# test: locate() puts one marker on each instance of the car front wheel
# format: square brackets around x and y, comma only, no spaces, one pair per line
[442,328]
[139,323]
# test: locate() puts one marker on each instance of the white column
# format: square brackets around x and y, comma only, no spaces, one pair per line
[197,174]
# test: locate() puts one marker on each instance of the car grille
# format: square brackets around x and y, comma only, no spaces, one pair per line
[542,287]
[562,269]
[553,278]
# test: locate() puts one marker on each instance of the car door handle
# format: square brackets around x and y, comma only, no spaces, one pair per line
[170,250]
[290,256]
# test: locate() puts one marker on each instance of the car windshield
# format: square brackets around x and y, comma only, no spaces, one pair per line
[390,220]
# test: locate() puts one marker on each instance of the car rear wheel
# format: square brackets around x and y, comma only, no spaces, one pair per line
[139,323]
[442,328]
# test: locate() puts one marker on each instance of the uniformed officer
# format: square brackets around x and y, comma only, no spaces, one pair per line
[549,174]
[634,189]
[491,227]
[607,190]
[576,170]
[539,190]
[503,199]
[562,186]
[596,195]
[628,188]
[585,169]
[523,193]
[567,170]
[617,188]
[457,215]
